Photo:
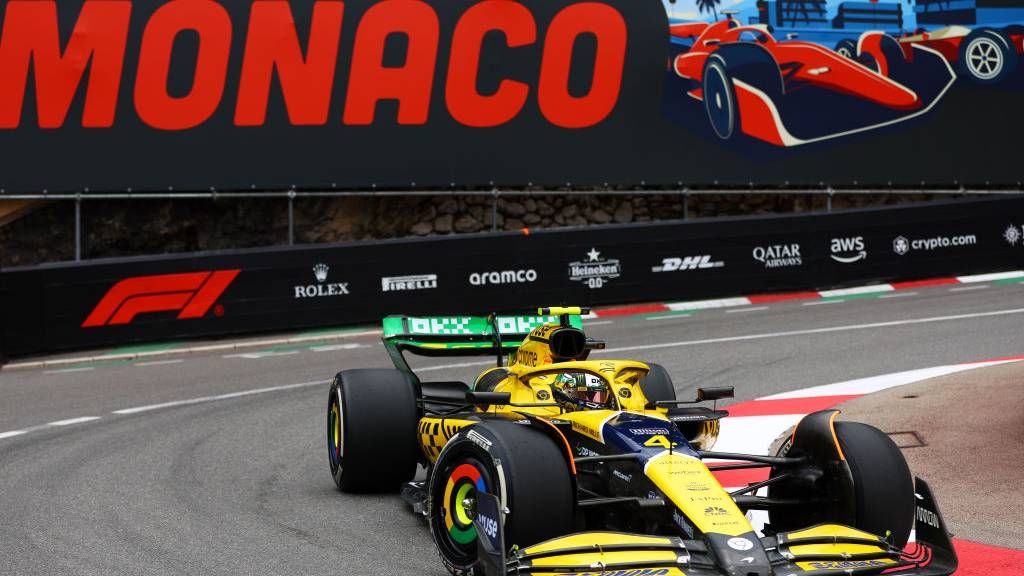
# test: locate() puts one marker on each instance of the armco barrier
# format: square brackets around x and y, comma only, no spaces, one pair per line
[112,302]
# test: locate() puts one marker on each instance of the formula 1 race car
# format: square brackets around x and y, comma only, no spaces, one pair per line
[984,55]
[556,464]
[791,92]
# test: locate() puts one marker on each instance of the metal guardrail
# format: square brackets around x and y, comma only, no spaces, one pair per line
[495,194]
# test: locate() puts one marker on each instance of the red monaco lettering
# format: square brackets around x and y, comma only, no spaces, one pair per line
[154,105]
[30,36]
[465,104]
[306,81]
[556,104]
[410,84]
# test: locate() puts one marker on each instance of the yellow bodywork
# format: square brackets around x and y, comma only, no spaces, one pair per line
[587,561]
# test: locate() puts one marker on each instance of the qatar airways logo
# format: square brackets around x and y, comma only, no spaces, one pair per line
[120,53]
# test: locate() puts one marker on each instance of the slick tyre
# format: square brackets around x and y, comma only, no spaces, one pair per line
[987,56]
[657,385]
[882,485]
[523,467]
[371,430]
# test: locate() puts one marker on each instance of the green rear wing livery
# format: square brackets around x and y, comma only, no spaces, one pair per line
[460,335]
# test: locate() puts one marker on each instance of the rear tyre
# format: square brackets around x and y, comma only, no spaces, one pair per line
[987,56]
[720,98]
[525,463]
[657,385]
[371,430]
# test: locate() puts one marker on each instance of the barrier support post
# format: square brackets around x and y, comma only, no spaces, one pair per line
[291,217]
[494,210]
[78,227]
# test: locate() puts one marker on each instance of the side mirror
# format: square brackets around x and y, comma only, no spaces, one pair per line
[792,36]
[488,398]
[706,394]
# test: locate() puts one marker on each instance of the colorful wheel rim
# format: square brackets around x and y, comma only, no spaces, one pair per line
[460,499]
[334,434]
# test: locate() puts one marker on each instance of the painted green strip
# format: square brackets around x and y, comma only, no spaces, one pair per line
[1005,281]
[330,331]
[855,296]
[671,314]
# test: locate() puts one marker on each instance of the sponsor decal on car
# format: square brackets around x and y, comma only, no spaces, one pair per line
[928,517]
[648,431]
[902,245]
[190,293]
[848,250]
[715,511]
[498,278]
[405,283]
[843,564]
[594,272]
[778,255]
[622,476]
[478,439]
[741,544]
[688,263]
[322,288]
[584,451]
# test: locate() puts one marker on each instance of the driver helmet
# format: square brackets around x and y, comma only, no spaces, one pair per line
[583,388]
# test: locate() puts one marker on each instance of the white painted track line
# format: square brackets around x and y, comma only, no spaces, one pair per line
[258,355]
[821,302]
[203,399]
[12,434]
[704,304]
[966,288]
[751,309]
[898,295]
[160,362]
[668,316]
[72,421]
[826,330]
[598,323]
[70,370]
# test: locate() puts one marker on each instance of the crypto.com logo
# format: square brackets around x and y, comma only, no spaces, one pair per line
[193,293]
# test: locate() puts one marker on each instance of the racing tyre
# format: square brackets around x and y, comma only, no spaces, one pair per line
[874,492]
[987,56]
[520,465]
[657,385]
[720,98]
[847,48]
[371,430]
[882,485]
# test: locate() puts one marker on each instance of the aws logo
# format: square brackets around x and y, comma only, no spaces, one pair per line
[192,293]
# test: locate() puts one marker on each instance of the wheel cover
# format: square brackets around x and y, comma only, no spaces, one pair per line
[985,58]
[459,502]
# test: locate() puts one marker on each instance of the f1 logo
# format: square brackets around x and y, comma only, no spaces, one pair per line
[193,293]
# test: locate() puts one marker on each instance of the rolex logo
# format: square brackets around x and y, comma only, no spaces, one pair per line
[320,271]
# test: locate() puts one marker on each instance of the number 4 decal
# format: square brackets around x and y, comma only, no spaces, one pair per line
[659,440]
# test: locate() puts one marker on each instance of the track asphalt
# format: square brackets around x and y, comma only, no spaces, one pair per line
[215,463]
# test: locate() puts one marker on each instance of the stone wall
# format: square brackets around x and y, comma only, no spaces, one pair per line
[120,228]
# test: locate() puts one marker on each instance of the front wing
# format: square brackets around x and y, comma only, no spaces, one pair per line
[823,550]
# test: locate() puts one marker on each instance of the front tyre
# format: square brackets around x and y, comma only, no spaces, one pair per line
[987,56]
[371,430]
[520,465]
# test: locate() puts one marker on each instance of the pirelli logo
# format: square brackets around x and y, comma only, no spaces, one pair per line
[192,294]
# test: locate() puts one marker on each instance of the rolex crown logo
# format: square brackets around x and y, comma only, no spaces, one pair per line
[320,271]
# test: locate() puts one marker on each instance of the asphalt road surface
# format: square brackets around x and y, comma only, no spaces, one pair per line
[216,464]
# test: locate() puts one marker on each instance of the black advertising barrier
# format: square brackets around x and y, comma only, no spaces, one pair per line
[51,308]
[161,95]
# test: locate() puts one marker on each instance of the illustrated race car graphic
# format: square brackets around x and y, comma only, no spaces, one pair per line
[982,55]
[557,464]
[791,92]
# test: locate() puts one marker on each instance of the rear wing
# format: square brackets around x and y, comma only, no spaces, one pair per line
[466,335]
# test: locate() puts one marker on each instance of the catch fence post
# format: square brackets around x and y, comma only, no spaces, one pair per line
[494,210]
[291,217]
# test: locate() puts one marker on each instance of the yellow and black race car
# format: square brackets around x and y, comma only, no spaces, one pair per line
[556,464]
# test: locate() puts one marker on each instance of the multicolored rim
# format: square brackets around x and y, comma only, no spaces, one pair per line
[334,439]
[460,498]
